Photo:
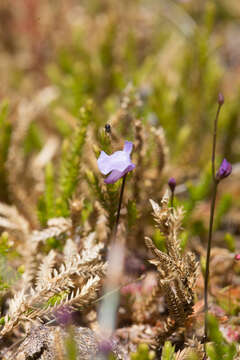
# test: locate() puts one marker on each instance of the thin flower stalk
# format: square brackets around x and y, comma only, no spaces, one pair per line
[225,170]
[119,206]
[118,165]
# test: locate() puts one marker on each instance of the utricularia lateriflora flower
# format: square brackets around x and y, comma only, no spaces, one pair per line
[118,164]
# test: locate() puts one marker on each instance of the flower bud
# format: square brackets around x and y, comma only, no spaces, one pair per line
[220,99]
[172,183]
[224,170]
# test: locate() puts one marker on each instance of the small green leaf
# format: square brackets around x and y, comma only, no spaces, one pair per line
[168,351]
[230,242]
[159,240]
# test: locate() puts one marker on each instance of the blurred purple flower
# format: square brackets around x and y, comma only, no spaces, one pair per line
[134,265]
[105,347]
[237,257]
[224,170]
[172,183]
[64,316]
[118,164]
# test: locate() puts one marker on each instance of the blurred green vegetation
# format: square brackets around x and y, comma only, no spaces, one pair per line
[219,348]
[143,353]
[5,136]
[8,275]
[168,351]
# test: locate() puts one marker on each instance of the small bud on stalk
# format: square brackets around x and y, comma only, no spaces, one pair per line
[220,99]
[172,183]
[224,170]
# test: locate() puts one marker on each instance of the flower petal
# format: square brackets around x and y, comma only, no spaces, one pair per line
[113,177]
[128,145]
[129,168]
[104,164]
[116,175]
[119,163]
[120,160]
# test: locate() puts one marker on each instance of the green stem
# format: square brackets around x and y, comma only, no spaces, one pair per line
[215,184]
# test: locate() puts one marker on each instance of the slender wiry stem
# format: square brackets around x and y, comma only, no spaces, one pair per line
[119,206]
[110,301]
[215,184]
[215,140]
[172,200]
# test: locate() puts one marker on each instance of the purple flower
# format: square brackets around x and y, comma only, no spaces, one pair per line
[134,265]
[224,170]
[105,347]
[118,164]
[237,257]
[172,184]
[64,316]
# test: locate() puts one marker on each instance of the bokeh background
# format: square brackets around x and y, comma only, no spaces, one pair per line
[177,55]
[180,54]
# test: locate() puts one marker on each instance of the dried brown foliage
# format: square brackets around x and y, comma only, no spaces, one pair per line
[177,272]
[75,281]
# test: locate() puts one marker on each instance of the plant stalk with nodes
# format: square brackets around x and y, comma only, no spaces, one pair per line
[224,170]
